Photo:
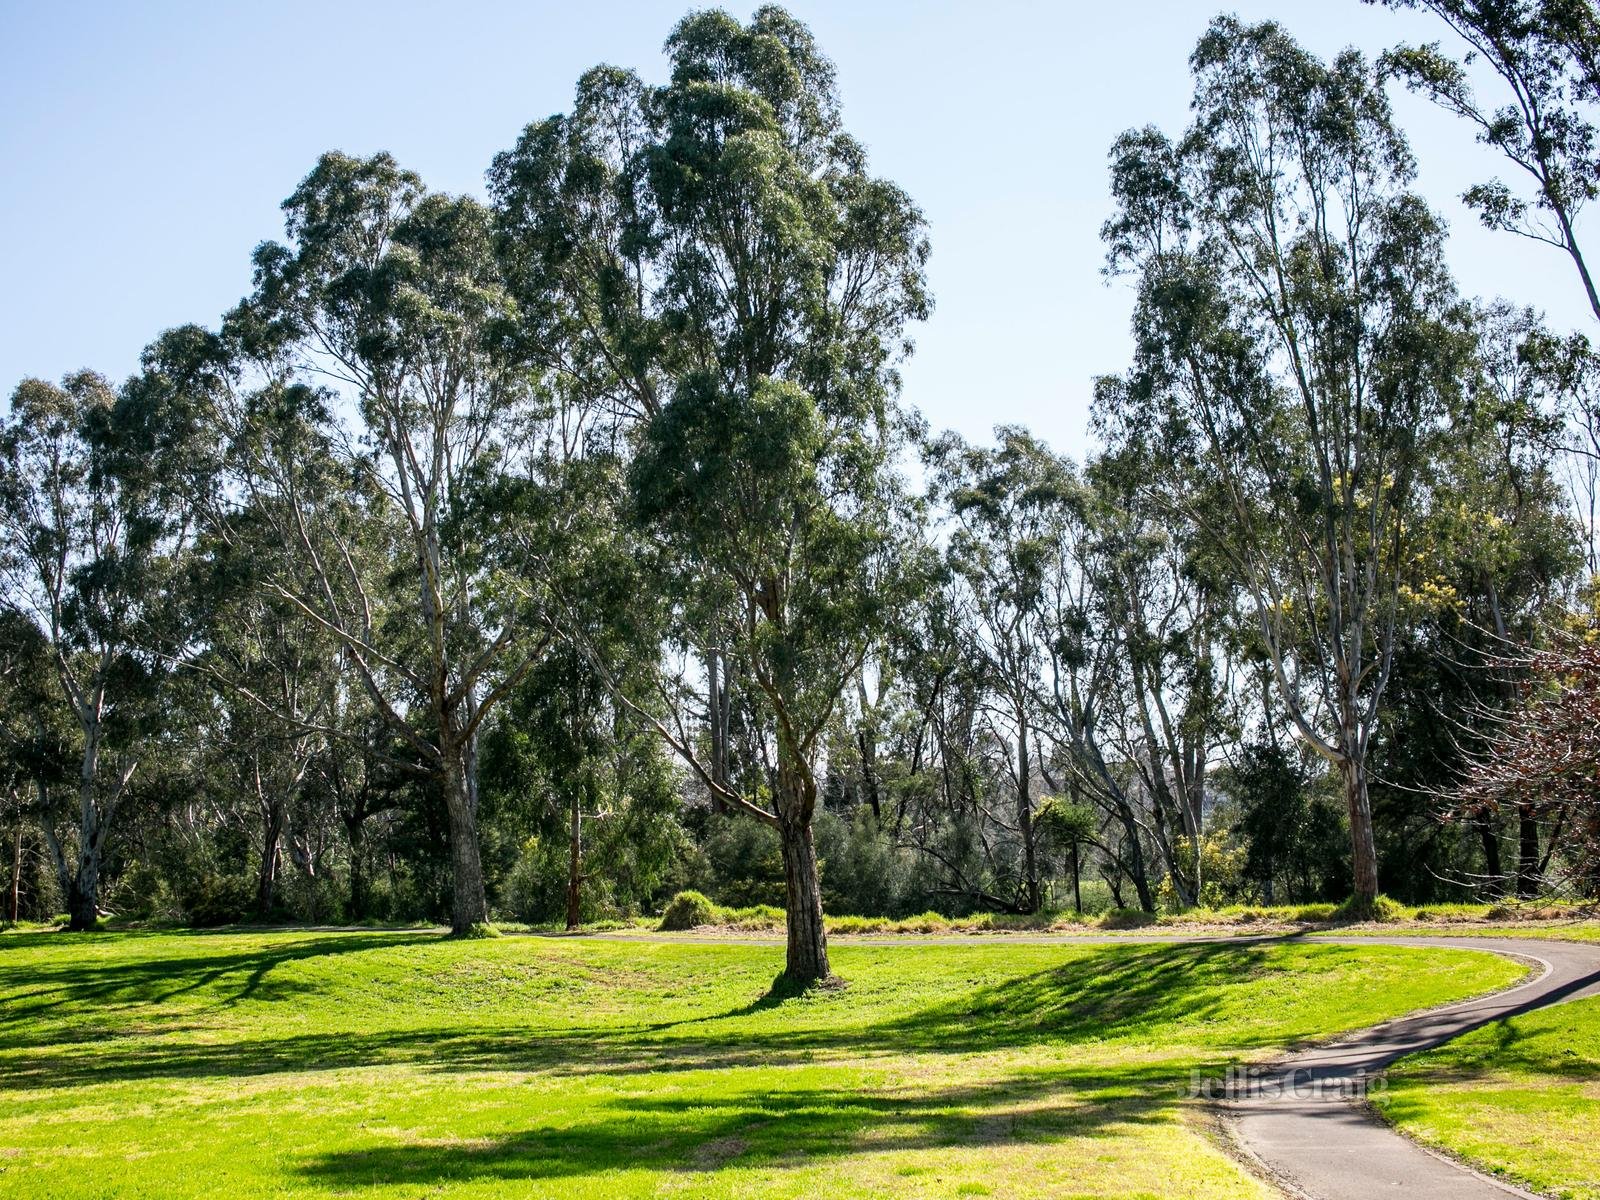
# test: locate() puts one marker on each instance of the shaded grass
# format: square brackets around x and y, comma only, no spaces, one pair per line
[407,1064]
[1519,1098]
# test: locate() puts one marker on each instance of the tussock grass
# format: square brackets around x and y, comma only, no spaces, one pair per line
[691,910]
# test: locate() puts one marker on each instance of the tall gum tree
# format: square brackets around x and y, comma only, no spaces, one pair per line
[710,264]
[90,557]
[392,296]
[1299,352]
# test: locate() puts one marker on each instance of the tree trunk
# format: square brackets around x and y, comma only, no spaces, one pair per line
[1527,855]
[355,828]
[469,906]
[1077,890]
[16,875]
[83,890]
[717,726]
[1363,849]
[1136,868]
[83,910]
[1025,814]
[267,874]
[869,772]
[807,958]
[575,862]
[1490,838]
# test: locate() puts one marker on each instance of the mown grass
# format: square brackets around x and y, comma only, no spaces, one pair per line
[408,1064]
[1519,1098]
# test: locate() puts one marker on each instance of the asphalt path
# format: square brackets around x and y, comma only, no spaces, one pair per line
[1304,1119]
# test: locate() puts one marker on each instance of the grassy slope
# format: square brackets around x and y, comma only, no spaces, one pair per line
[403,1064]
[1519,1098]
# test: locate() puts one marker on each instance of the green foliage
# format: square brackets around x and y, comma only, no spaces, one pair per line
[688,910]
[1377,908]
[744,862]
[1063,823]
[1220,869]
[863,873]
[1290,825]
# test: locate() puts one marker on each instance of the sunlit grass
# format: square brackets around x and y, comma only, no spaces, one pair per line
[406,1064]
[1520,1098]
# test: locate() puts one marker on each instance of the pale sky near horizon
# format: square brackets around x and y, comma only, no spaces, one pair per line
[146,149]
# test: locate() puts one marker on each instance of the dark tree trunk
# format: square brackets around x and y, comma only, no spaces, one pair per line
[1363,849]
[1077,889]
[267,874]
[807,957]
[869,772]
[355,828]
[83,908]
[1025,815]
[1527,855]
[575,863]
[1492,868]
[469,906]
[1136,868]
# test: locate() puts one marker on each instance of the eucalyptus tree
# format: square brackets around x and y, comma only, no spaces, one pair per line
[1157,597]
[1009,510]
[1503,554]
[92,553]
[279,682]
[35,746]
[1298,350]
[1090,686]
[1543,57]
[721,276]
[388,298]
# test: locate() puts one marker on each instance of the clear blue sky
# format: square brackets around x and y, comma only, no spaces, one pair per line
[146,148]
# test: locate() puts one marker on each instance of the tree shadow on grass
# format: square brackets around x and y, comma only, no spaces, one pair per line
[1132,994]
[799,1125]
[97,986]
[1513,1049]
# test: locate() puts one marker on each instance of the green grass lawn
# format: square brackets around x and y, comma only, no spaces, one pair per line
[405,1064]
[1520,1098]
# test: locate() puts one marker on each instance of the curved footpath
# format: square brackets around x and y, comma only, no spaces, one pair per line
[1303,1119]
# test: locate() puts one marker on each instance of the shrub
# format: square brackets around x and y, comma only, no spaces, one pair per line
[745,860]
[863,873]
[213,900]
[687,910]
[1380,908]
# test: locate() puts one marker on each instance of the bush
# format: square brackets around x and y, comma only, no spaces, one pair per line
[213,900]
[1380,908]
[745,861]
[863,874]
[688,910]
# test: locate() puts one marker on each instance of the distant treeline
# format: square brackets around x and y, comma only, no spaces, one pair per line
[537,559]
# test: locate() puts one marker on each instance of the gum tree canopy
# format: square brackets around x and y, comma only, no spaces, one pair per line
[1299,352]
[720,272]
[392,294]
